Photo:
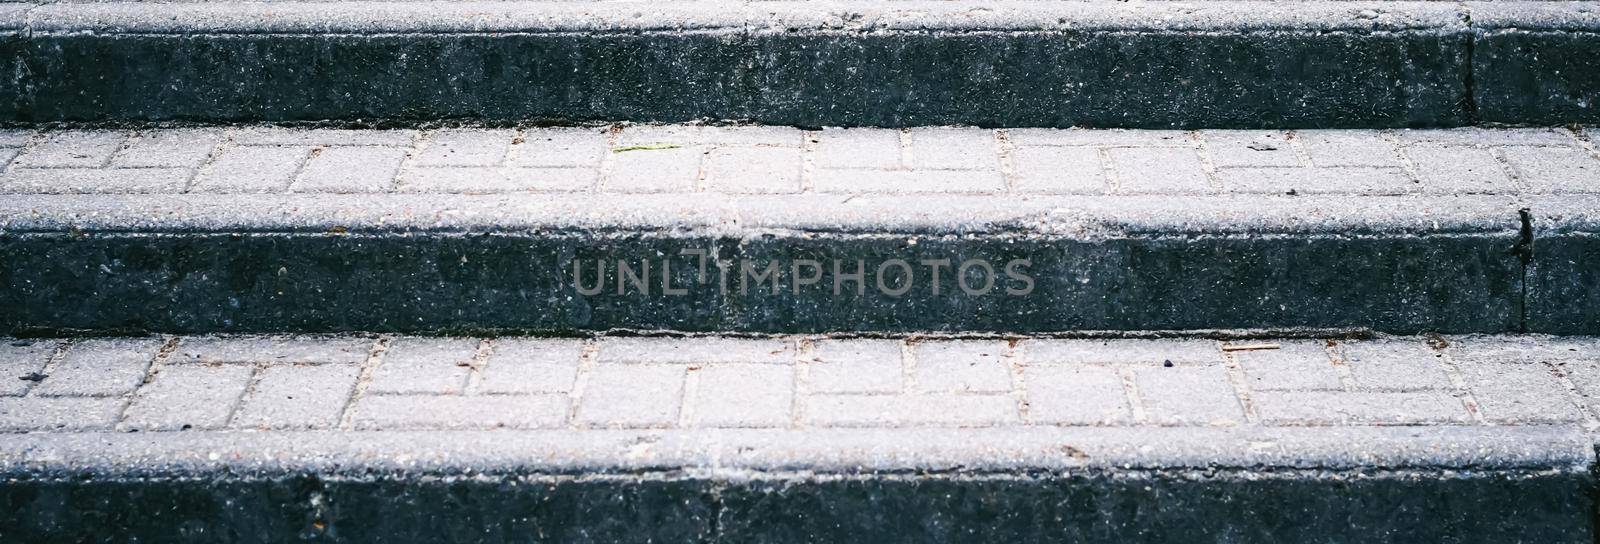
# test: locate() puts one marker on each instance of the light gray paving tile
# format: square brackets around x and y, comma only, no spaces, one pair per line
[1358,408]
[1512,393]
[1058,170]
[674,170]
[448,412]
[962,366]
[933,410]
[298,397]
[1348,148]
[1295,365]
[73,149]
[846,181]
[1250,148]
[632,396]
[110,366]
[690,135]
[559,147]
[485,180]
[424,365]
[1159,171]
[857,148]
[184,397]
[954,149]
[1100,137]
[528,365]
[767,170]
[1350,181]
[1523,349]
[351,170]
[15,137]
[271,349]
[1121,351]
[1486,137]
[856,366]
[695,350]
[251,169]
[95,180]
[1188,395]
[1394,364]
[20,363]
[45,414]
[465,147]
[1459,170]
[171,148]
[1552,170]
[743,395]
[1075,395]
[304,137]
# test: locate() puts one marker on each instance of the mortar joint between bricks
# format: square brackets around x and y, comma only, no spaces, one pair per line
[1014,354]
[1006,150]
[51,362]
[808,160]
[1299,147]
[907,157]
[476,366]
[128,137]
[1207,166]
[1403,156]
[607,159]
[1581,135]
[580,380]
[1108,171]
[223,141]
[1458,383]
[153,368]
[908,365]
[1335,356]
[249,390]
[1240,383]
[363,381]
[1130,390]
[1591,422]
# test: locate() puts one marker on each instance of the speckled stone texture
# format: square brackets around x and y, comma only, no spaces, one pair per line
[1057,64]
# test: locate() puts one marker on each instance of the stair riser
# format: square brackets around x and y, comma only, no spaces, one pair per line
[418,282]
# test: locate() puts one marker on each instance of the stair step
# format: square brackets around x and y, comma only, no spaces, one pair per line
[799,438]
[1016,63]
[252,229]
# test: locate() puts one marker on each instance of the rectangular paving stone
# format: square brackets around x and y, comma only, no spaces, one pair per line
[709,135]
[351,170]
[1348,181]
[484,180]
[298,397]
[857,148]
[1188,395]
[109,366]
[1348,148]
[184,397]
[1585,378]
[1358,408]
[735,395]
[558,147]
[1486,137]
[170,148]
[1398,365]
[632,396]
[1511,393]
[526,365]
[942,148]
[1295,365]
[251,169]
[1100,137]
[298,349]
[1523,349]
[449,412]
[1555,170]
[424,365]
[1058,170]
[95,180]
[302,137]
[767,170]
[1075,395]
[73,149]
[1250,148]
[856,366]
[1459,169]
[44,414]
[21,360]
[933,410]
[695,350]
[1158,171]
[675,170]
[15,137]
[1121,351]
[466,147]
[962,366]
[847,181]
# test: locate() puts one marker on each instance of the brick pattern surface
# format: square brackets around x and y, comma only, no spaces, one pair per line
[266,383]
[780,160]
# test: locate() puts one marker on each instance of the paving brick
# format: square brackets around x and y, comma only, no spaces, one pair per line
[559,147]
[525,365]
[902,181]
[482,180]
[735,395]
[1519,393]
[1075,395]
[1523,349]
[21,360]
[1555,170]
[23,414]
[1485,137]
[1459,170]
[298,397]
[351,170]
[1100,137]
[767,170]
[95,180]
[1358,408]
[954,149]
[1585,377]
[1348,148]
[1058,170]
[695,350]
[101,367]
[251,169]
[673,170]
[1121,351]
[302,137]
[1295,365]
[171,148]
[911,410]
[396,412]
[185,397]
[73,149]
[1398,365]
[709,135]
[856,366]
[468,147]
[271,349]
[1363,181]
[632,396]
[962,366]
[15,137]
[1250,148]
[1158,171]
[424,365]
[1188,395]
[857,148]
